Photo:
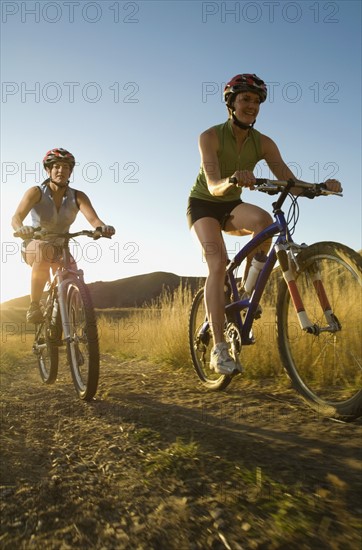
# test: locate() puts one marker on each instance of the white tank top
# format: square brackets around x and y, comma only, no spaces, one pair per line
[44,213]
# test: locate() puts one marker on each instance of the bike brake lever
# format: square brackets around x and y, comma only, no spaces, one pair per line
[321,189]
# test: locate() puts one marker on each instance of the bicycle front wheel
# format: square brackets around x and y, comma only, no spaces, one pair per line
[325,366]
[201,343]
[82,346]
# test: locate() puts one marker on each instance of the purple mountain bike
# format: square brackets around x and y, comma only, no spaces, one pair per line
[318,311]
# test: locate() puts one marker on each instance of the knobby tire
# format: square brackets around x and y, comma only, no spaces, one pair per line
[83,345]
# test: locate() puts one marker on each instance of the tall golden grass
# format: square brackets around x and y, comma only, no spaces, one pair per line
[159,333]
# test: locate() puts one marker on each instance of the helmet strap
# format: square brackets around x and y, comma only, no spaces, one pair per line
[241,124]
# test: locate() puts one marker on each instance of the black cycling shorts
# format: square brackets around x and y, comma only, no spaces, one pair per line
[199,208]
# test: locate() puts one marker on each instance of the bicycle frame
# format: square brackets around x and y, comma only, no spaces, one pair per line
[283,242]
[64,275]
[279,227]
[61,279]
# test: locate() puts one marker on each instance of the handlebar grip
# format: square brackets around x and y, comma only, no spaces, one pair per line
[97,233]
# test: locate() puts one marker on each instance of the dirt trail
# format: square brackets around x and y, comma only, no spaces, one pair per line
[156,462]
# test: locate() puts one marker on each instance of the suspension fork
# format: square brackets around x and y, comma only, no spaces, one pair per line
[64,279]
[316,278]
[62,300]
[286,260]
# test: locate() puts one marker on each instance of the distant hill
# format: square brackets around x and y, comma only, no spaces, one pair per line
[129,292]
[138,290]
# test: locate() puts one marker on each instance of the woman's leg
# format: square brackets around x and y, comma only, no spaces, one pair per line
[248,219]
[39,256]
[209,234]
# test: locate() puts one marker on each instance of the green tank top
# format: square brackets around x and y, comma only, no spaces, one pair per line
[230,160]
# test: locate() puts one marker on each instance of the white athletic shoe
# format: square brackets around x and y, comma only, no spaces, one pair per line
[220,360]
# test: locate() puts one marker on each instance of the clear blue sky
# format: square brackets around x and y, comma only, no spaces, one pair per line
[129,86]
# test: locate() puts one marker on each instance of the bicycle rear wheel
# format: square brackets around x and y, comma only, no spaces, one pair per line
[325,368]
[82,346]
[201,343]
[46,352]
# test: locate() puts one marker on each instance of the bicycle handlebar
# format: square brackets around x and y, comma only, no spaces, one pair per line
[42,234]
[276,186]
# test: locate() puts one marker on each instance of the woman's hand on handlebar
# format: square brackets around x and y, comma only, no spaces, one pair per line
[333,185]
[107,230]
[25,231]
[244,178]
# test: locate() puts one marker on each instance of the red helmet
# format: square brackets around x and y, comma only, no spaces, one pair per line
[245,83]
[55,155]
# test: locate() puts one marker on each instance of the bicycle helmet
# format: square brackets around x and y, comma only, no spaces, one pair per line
[55,155]
[244,83]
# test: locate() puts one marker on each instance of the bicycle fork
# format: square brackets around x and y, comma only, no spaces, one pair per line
[287,263]
[62,298]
